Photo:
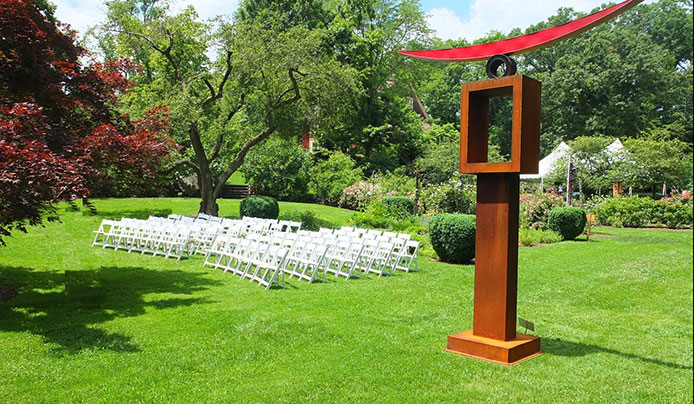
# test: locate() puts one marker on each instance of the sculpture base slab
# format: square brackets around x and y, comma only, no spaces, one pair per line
[504,352]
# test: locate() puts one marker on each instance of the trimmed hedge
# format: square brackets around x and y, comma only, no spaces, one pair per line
[398,206]
[568,221]
[453,237]
[260,206]
[640,212]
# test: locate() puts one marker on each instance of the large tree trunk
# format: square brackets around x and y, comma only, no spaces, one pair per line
[208,196]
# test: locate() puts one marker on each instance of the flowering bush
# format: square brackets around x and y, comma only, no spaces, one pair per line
[359,195]
[535,209]
[454,196]
[685,197]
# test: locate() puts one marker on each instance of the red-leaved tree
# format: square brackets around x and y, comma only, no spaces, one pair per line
[60,135]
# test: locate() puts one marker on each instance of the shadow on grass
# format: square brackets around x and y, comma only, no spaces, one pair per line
[560,347]
[132,214]
[67,309]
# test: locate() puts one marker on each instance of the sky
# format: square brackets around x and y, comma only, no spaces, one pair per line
[451,19]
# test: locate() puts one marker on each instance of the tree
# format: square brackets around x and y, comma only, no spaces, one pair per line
[658,159]
[279,168]
[54,111]
[330,177]
[383,132]
[269,78]
[593,162]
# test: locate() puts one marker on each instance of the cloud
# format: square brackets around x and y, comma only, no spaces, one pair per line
[82,14]
[499,15]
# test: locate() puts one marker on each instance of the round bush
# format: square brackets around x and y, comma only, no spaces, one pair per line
[260,206]
[567,221]
[398,205]
[453,237]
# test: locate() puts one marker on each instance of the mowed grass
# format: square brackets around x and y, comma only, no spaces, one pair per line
[101,326]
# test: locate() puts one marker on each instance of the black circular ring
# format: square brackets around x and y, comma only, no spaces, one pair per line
[497,61]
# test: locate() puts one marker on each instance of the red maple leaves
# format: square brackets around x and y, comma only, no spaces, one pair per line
[60,136]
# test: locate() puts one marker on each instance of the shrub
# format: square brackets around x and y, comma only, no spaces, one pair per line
[395,183]
[623,212]
[528,237]
[398,206]
[673,215]
[329,178]
[308,219]
[378,216]
[359,195]
[454,196]
[637,211]
[279,169]
[568,221]
[453,237]
[535,209]
[260,206]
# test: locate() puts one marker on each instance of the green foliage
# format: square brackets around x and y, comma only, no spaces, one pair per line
[649,162]
[309,220]
[330,177]
[378,216]
[453,237]
[535,209]
[458,195]
[259,206]
[640,212]
[441,157]
[612,81]
[568,221]
[440,163]
[383,133]
[279,169]
[531,237]
[398,206]
[395,183]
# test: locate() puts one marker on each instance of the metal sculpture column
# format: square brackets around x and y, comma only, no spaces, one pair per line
[493,336]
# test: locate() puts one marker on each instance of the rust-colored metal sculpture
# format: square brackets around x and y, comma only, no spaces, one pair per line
[493,336]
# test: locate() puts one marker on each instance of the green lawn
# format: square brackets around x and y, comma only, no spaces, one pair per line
[96,325]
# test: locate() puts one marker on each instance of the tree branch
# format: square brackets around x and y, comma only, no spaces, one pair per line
[241,155]
[215,95]
[220,139]
[182,163]
[294,88]
[166,52]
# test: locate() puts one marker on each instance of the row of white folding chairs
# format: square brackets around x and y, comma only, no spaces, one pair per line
[141,235]
[312,254]
[258,258]
[144,236]
[404,247]
[201,233]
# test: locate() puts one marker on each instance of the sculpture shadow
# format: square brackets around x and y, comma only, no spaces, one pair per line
[66,309]
[559,347]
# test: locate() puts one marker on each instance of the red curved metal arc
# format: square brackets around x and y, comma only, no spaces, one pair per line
[525,43]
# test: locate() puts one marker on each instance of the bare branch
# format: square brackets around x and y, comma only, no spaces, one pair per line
[241,155]
[294,88]
[182,163]
[165,52]
[215,95]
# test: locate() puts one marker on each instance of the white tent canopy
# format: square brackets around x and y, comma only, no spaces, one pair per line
[548,163]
